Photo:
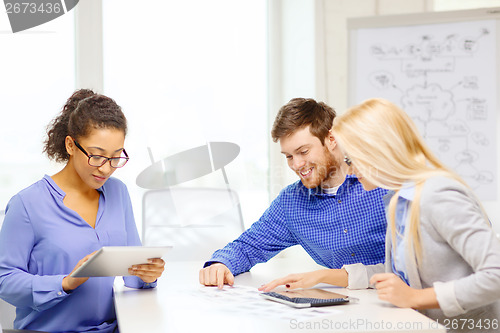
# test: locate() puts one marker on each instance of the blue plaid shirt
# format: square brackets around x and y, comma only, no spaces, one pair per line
[345,228]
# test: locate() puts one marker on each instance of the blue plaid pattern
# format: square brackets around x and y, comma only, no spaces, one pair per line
[335,230]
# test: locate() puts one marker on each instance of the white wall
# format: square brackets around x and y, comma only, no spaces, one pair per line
[294,69]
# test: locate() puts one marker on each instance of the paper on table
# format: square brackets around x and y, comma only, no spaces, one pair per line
[246,300]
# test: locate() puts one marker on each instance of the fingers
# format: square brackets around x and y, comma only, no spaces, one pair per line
[205,276]
[70,283]
[269,286]
[223,276]
[229,277]
[216,275]
[273,284]
[380,277]
[146,269]
[289,281]
[220,277]
[148,272]
[393,289]
[157,261]
[388,285]
[148,276]
[201,277]
[212,276]
[295,285]
[154,265]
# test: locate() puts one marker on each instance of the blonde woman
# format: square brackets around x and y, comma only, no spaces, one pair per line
[441,252]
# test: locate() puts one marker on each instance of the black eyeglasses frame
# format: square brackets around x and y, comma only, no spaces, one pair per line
[105,158]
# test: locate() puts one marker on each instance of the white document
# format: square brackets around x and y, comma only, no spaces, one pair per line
[247,301]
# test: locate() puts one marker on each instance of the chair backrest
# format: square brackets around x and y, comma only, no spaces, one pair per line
[7,311]
[196,221]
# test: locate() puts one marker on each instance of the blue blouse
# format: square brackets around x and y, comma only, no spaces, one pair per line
[398,262]
[42,240]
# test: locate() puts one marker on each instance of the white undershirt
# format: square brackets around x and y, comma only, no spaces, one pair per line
[330,190]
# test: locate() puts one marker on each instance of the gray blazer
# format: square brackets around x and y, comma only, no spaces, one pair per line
[461,256]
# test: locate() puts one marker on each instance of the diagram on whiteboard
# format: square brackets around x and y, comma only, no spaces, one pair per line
[444,77]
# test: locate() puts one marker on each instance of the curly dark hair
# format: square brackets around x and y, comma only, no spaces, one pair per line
[83,111]
[302,112]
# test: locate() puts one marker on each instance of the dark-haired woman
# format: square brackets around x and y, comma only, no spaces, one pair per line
[52,227]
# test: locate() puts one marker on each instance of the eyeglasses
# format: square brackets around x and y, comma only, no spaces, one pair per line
[99,160]
[347,160]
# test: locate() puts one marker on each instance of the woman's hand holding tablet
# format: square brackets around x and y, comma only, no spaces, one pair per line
[121,260]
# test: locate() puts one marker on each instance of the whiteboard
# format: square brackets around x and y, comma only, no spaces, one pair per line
[442,69]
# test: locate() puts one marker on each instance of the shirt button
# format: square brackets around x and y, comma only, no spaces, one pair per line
[340,201]
[345,231]
[352,254]
[59,293]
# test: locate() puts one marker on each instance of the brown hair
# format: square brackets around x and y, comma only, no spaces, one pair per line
[302,112]
[83,111]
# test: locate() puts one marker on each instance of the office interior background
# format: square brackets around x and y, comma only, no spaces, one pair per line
[185,73]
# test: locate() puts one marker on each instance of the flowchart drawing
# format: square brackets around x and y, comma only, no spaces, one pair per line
[444,77]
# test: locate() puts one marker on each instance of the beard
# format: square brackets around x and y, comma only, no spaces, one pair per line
[323,170]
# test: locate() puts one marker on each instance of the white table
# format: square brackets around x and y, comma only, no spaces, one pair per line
[180,304]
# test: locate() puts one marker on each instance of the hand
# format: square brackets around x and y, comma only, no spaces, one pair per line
[69,283]
[336,277]
[216,275]
[392,289]
[294,281]
[148,272]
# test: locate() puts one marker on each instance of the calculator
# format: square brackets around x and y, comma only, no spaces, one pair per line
[305,298]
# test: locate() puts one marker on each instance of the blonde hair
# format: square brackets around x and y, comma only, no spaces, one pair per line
[385,146]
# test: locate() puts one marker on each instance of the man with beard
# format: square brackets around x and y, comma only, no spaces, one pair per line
[327,212]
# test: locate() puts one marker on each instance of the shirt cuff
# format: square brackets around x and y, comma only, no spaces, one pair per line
[357,276]
[46,289]
[219,261]
[211,262]
[137,283]
[150,285]
[445,294]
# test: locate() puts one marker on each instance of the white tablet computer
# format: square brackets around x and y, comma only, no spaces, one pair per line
[116,260]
